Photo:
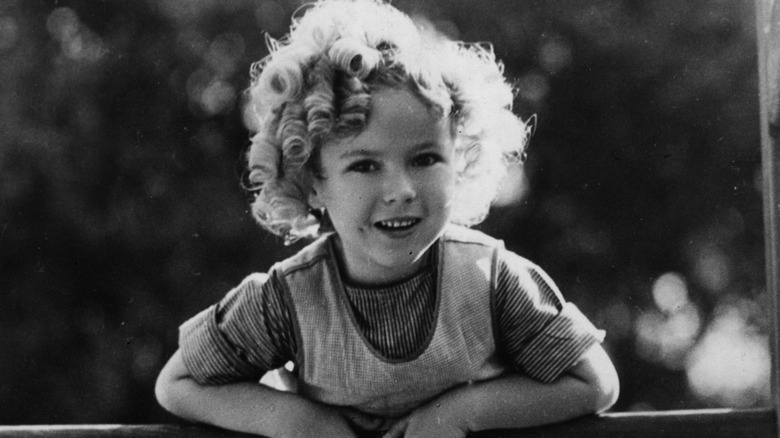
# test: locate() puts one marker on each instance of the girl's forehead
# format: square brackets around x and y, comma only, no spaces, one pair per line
[398,115]
[390,102]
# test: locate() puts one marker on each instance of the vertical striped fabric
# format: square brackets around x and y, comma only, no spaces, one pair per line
[541,333]
[396,320]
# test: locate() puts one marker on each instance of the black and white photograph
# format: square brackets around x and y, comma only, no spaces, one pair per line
[389,218]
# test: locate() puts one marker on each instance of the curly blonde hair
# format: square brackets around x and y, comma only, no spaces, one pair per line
[315,86]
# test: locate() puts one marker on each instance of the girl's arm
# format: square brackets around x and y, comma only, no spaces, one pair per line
[517,401]
[246,406]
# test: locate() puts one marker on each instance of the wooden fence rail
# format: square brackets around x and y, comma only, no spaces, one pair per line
[715,423]
[768,45]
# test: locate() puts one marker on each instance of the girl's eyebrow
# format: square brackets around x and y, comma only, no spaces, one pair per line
[353,153]
[362,153]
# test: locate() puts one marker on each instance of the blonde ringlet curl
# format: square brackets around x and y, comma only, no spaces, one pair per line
[354,57]
[264,161]
[281,208]
[319,102]
[315,86]
[292,134]
[354,105]
[276,80]
[488,136]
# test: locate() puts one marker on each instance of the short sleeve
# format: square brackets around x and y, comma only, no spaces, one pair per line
[539,332]
[246,334]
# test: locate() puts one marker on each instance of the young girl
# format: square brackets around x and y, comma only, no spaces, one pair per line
[384,140]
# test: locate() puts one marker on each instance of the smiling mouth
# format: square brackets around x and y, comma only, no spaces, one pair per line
[397,224]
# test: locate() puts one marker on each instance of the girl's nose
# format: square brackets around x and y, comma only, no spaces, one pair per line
[399,187]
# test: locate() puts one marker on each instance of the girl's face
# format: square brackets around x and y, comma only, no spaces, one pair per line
[389,189]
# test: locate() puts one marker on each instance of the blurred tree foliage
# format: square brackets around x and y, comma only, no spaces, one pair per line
[121,211]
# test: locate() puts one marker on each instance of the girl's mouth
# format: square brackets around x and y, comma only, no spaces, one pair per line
[397,224]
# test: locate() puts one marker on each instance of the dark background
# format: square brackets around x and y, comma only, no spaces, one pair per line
[121,211]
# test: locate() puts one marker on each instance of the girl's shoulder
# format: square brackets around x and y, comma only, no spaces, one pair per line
[508,264]
[461,234]
[315,252]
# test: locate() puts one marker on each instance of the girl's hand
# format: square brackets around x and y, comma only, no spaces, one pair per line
[433,420]
[363,422]
[321,421]
[336,422]
[282,379]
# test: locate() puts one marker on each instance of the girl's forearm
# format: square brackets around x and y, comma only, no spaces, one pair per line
[517,401]
[244,407]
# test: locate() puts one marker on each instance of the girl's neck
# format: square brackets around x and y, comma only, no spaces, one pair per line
[368,273]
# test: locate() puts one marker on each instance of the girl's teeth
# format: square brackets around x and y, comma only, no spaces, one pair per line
[397,224]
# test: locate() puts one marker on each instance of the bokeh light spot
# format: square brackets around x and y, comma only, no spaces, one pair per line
[9,33]
[62,24]
[670,292]
[217,97]
[731,364]
[225,53]
[666,339]
[196,83]
[77,42]
[147,355]
[555,54]
[208,93]
[533,87]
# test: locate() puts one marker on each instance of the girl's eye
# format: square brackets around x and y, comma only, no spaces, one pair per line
[363,166]
[426,160]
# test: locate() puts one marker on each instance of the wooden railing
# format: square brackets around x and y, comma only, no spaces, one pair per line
[768,45]
[717,423]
